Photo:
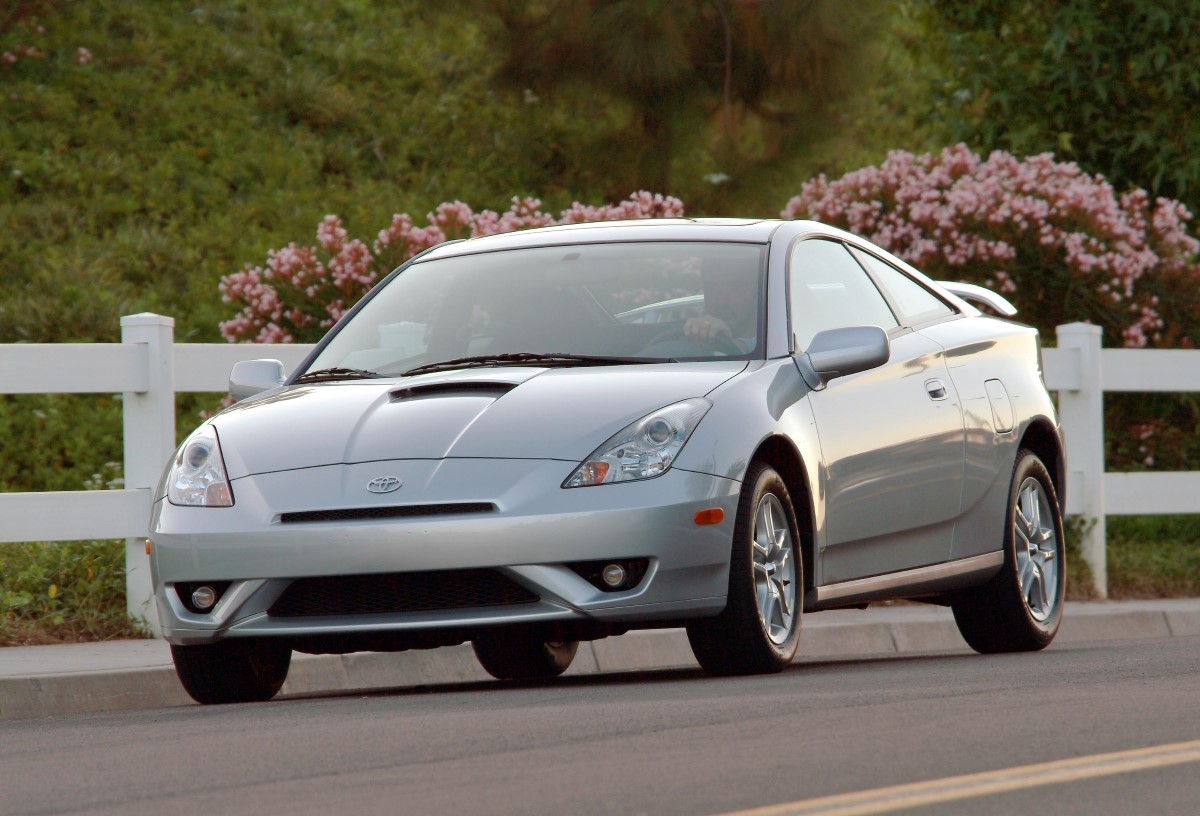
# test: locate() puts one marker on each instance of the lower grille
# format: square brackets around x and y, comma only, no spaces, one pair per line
[399,592]
[400,511]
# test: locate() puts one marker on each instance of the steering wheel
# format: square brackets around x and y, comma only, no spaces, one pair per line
[722,343]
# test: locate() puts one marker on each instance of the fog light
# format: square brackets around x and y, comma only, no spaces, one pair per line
[204,597]
[613,575]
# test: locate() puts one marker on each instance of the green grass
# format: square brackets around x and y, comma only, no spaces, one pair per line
[63,593]
[1147,557]
[1153,556]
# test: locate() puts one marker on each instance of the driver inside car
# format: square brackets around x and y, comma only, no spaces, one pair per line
[730,310]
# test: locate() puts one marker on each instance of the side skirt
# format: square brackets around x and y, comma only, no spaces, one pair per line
[930,580]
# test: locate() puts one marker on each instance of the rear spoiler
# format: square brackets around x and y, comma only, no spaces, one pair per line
[977,294]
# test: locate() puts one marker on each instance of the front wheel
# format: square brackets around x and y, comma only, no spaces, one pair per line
[1020,609]
[759,630]
[522,655]
[232,671]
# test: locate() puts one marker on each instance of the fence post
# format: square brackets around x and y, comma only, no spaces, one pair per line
[149,432]
[1082,414]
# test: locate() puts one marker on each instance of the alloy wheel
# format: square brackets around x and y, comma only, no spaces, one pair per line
[774,569]
[1036,550]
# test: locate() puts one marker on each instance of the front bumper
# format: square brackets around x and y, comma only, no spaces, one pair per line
[536,529]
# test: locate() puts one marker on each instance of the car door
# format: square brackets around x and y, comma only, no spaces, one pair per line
[891,438]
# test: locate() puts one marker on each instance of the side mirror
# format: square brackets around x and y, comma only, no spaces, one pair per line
[839,352]
[250,377]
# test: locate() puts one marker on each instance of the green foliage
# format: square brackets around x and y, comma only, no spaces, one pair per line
[53,441]
[1159,431]
[198,136]
[1081,584]
[1153,556]
[68,591]
[1112,85]
[704,92]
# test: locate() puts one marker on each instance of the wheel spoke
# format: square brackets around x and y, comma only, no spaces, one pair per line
[784,606]
[1026,573]
[1035,511]
[1043,598]
[767,606]
[1023,513]
[764,535]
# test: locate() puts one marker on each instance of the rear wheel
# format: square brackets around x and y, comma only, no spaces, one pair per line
[1020,609]
[522,655]
[759,630]
[232,671]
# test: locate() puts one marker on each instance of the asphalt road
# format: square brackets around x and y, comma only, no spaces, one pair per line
[668,742]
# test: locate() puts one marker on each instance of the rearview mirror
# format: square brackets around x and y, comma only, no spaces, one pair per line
[250,377]
[840,352]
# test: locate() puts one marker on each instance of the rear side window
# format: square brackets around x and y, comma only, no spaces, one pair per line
[829,290]
[917,304]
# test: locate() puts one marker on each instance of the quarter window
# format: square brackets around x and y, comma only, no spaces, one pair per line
[829,290]
[917,303]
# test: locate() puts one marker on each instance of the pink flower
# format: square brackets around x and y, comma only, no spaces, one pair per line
[278,302]
[82,56]
[1057,239]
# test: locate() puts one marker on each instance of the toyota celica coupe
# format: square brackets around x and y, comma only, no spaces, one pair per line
[535,439]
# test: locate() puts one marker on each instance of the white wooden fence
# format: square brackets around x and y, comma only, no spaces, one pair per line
[148,368]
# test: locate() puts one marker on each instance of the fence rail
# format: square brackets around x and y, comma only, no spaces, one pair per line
[148,369]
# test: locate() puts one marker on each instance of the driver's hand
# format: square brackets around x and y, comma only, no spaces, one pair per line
[705,328]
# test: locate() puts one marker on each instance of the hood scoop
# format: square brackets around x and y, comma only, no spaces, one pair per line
[459,388]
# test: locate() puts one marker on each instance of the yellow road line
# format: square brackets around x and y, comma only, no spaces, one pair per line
[969,786]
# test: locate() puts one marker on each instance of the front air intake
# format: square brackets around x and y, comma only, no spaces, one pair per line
[397,511]
[399,592]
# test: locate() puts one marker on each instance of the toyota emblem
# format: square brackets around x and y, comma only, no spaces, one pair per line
[384,484]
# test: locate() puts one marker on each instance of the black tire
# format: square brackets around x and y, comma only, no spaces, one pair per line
[516,654]
[232,671]
[1020,608]
[745,639]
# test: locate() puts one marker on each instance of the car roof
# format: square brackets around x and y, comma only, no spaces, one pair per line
[756,231]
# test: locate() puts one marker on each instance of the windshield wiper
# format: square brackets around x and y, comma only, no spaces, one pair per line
[332,374]
[540,359]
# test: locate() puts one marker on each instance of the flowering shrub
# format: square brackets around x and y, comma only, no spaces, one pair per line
[1058,242]
[23,21]
[303,290]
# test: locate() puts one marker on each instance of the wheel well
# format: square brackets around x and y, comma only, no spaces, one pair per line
[779,454]
[1043,440]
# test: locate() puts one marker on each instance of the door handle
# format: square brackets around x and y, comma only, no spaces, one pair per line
[936,389]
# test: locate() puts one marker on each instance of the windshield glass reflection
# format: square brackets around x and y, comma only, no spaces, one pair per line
[651,301]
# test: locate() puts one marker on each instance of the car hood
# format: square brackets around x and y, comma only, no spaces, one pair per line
[522,413]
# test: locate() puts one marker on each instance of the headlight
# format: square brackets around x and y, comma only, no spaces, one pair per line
[198,473]
[644,449]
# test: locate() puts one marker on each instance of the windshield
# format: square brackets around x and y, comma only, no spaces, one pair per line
[633,302]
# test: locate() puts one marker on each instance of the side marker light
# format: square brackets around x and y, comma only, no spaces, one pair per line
[711,515]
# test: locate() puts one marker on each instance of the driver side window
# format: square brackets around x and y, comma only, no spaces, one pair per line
[829,290]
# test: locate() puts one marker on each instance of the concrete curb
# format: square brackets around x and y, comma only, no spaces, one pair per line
[43,681]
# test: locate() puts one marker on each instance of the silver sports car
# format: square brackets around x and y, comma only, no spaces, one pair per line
[533,439]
